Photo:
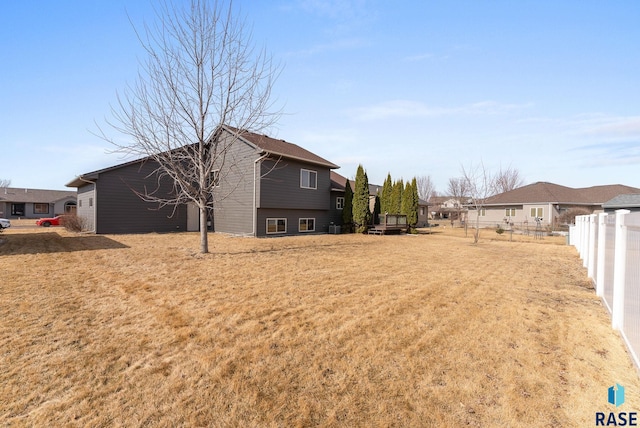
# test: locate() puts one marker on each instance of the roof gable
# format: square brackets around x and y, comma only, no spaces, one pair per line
[280,147]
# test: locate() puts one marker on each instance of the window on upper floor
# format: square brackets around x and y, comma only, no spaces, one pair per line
[339,203]
[215,177]
[308,179]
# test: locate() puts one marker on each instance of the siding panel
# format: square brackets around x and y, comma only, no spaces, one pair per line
[120,210]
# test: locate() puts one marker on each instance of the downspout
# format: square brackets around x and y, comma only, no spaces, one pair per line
[95,205]
[255,209]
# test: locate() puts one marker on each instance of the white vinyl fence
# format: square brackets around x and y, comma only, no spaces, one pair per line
[609,246]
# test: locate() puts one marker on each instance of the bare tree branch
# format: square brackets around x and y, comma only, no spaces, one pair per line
[201,73]
[479,186]
[426,188]
[508,179]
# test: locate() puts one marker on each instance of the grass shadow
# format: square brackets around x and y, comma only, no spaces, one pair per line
[52,242]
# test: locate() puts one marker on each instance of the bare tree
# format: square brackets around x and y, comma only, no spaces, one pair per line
[4,183]
[507,179]
[479,185]
[426,188]
[202,72]
[457,189]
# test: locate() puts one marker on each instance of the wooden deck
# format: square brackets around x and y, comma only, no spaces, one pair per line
[389,224]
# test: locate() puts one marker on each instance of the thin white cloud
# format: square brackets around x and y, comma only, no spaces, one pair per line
[334,46]
[415,109]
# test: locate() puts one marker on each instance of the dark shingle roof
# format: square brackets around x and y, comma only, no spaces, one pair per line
[263,143]
[543,192]
[624,201]
[339,183]
[281,147]
[12,194]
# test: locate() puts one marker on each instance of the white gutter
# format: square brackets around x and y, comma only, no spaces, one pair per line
[255,209]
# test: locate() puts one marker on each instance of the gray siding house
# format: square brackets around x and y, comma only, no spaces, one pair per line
[35,203]
[269,187]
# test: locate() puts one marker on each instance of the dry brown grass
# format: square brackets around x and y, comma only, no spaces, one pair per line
[426,330]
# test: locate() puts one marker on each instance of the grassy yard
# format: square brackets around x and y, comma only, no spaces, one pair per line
[350,330]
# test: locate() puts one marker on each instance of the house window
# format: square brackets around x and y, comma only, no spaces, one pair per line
[421,210]
[510,212]
[215,177]
[536,212]
[276,225]
[41,208]
[307,225]
[80,203]
[308,179]
[482,212]
[339,203]
[17,209]
[90,202]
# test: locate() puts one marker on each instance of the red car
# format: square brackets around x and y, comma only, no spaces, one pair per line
[52,221]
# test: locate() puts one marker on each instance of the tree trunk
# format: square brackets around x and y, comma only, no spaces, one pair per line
[204,232]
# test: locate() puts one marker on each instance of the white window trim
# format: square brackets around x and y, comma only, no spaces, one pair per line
[215,176]
[339,202]
[307,220]
[302,171]
[276,219]
[482,212]
[511,212]
[534,212]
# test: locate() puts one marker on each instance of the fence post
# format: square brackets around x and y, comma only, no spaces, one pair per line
[602,248]
[619,268]
[592,256]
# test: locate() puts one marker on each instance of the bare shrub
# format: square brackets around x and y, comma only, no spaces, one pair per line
[569,216]
[73,223]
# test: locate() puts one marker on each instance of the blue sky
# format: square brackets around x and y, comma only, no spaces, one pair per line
[409,87]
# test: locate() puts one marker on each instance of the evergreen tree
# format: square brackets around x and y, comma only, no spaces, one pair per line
[361,213]
[414,204]
[347,208]
[395,204]
[385,196]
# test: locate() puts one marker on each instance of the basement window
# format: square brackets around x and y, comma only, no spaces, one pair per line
[276,225]
[307,225]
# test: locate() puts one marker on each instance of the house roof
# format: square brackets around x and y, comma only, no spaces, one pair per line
[543,192]
[623,201]
[339,183]
[13,194]
[263,143]
[280,147]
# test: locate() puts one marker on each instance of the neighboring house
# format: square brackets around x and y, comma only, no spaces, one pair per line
[35,203]
[274,188]
[629,202]
[445,207]
[544,201]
